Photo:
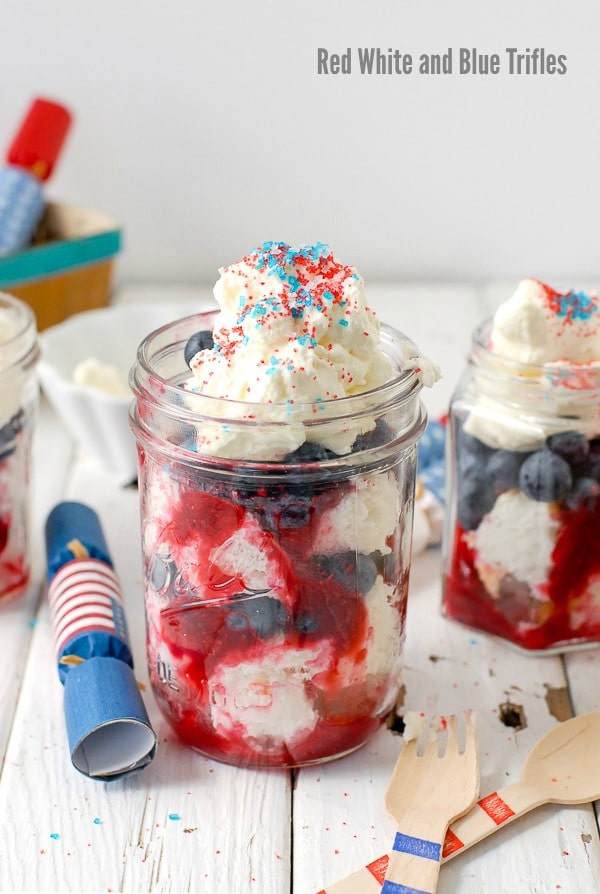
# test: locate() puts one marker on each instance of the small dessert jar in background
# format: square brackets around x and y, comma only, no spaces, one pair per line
[275,588]
[521,547]
[18,403]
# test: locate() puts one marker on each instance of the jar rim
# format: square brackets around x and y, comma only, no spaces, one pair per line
[266,432]
[404,384]
[553,372]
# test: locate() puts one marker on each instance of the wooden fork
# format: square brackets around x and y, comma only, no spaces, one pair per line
[430,787]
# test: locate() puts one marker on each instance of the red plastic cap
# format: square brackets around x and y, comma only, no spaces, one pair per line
[40,138]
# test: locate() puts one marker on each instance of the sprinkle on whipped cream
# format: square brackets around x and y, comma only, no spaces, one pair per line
[294,327]
[541,325]
[293,336]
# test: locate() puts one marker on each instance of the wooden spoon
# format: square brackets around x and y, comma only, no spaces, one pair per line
[563,768]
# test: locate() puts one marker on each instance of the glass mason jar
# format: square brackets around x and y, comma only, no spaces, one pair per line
[521,551]
[275,590]
[19,353]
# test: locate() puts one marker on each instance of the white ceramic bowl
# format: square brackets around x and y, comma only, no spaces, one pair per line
[96,420]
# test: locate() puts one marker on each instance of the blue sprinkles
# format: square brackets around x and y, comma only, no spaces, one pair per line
[576,305]
[275,257]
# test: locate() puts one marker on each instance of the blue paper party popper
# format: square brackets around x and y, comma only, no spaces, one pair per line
[107,725]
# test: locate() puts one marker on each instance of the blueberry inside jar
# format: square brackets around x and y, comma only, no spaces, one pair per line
[277,472]
[522,537]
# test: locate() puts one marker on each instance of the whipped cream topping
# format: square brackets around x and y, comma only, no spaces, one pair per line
[557,331]
[294,327]
[539,325]
[293,331]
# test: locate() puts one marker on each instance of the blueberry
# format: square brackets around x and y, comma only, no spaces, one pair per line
[503,469]
[8,432]
[591,467]
[294,514]
[381,434]
[238,620]
[282,512]
[385,565]
[472,455]
[545,477]
[467,444]
[475,499]
[262,614]
[366,573]
[586,492]
[199,341]
[309,452]
[350,569]
[469,464]
[306,623]
[572,446]
[267,616]
[290,511]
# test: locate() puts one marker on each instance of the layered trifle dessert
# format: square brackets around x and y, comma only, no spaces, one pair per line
[277,449]
[522,545]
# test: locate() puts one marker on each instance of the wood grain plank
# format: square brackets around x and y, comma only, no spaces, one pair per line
[192,825]
[184,824]
[339,818]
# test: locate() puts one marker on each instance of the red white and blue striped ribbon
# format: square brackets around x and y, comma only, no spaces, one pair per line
[85,596]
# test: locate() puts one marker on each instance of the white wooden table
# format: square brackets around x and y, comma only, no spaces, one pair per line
[189,824]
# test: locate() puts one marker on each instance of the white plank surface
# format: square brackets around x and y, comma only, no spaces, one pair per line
[176,826]
[188,824]
[449,668]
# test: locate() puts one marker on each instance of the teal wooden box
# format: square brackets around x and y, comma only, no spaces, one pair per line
[70,266]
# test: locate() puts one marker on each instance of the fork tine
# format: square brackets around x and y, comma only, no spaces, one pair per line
[471,732]
[427,791]
[452,742]
[424,736]
[462,737]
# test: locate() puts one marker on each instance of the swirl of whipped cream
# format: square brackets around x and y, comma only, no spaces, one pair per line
[551,340]
[293,327]
[294,335]
[538,325]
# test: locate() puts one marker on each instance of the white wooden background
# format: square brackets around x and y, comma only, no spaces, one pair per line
[188,824]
